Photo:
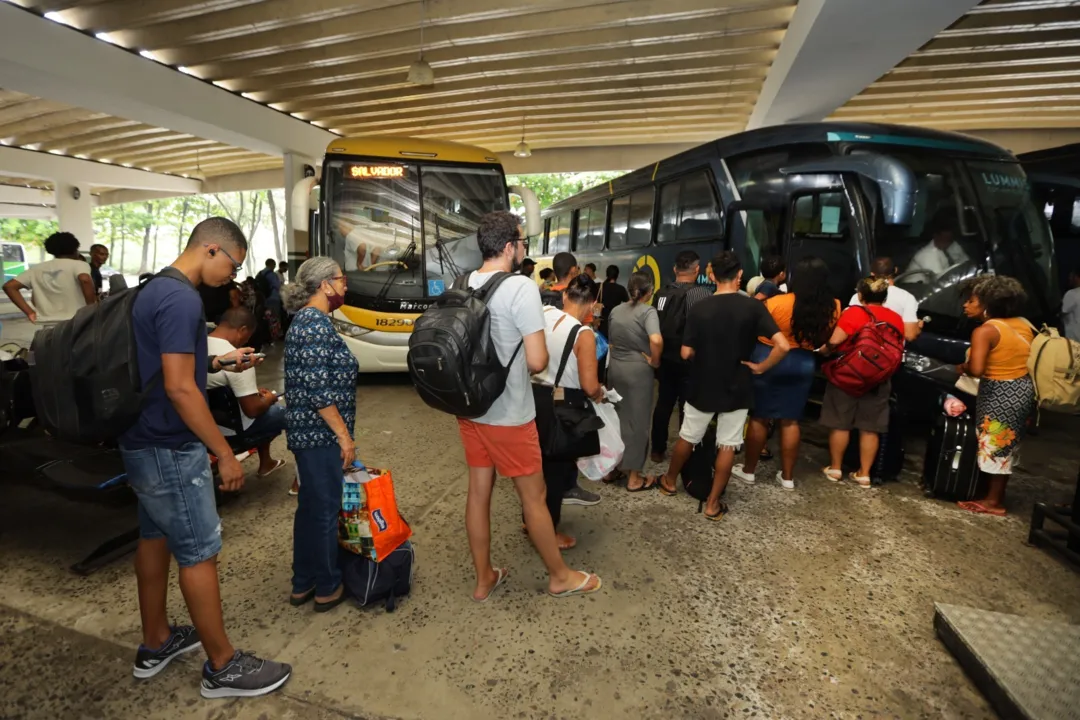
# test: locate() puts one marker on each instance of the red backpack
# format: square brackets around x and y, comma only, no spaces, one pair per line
[867,358]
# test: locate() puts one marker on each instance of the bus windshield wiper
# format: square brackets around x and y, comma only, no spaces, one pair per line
[400,263]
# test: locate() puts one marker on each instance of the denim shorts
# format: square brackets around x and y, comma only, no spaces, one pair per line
[175,488]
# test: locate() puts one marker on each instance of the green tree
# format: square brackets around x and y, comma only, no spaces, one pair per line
[553,187]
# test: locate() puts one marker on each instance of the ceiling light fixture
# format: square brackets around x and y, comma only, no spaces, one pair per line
[148,55]
[420,73]
[186,70]
[105,37]
[249,96]
[56,152]
[523,150]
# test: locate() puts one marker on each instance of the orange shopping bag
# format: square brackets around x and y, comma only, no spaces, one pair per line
[369,523]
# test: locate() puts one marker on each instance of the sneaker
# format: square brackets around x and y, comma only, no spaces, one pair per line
[578,495]
[746,477]
[787,484]
[244,676]
[149,663]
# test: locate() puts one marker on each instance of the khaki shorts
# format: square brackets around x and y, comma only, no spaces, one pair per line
[729,426]
[869,413]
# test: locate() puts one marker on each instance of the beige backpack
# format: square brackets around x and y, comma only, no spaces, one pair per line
[1054,366]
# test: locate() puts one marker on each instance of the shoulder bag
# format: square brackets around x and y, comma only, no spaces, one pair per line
[566,421]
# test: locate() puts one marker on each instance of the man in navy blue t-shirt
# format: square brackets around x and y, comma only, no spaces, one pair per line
[165,456]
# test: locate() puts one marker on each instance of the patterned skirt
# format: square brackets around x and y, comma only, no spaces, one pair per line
[1002,409]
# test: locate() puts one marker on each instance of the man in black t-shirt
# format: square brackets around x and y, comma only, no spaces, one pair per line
[673,304]
[721,332]
[611,296]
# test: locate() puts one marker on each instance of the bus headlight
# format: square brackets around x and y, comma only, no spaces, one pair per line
[347,328]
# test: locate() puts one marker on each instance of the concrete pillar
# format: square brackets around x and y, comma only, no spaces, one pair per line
[74,209]
[296,230]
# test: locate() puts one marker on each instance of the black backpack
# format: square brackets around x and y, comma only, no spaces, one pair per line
[672,307]
[452,359]
[697,473]
[85,371]
[370,582]
[552,298]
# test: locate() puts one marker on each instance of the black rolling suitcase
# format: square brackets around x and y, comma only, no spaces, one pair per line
[951,469]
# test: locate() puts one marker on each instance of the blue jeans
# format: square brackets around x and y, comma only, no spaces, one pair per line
[176,499]
[264,428]
[315,526]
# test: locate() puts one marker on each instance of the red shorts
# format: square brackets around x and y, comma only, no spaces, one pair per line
[514,451]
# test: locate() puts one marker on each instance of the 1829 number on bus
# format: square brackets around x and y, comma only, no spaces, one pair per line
[392,322]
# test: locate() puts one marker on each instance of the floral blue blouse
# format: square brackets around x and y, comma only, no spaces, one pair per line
[319,372]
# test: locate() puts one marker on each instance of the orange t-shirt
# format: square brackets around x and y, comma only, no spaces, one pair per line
[781,308]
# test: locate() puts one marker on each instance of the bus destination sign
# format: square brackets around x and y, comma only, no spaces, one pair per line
[376,172]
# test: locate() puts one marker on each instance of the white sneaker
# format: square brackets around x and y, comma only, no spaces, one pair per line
[786,484]
[746,477]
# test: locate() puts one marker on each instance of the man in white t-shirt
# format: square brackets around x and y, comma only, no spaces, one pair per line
[504,440]
[899,300]
[58,287]
[261,418]
[941,253]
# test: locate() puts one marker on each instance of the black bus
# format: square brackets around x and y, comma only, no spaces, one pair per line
[845,192]
[1055,182]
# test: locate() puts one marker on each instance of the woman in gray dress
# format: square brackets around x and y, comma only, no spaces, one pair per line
[635,347]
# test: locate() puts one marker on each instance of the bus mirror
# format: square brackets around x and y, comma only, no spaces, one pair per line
[894,179]
[533,224]
[301,203]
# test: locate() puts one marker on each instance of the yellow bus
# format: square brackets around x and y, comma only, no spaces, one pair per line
[400,215]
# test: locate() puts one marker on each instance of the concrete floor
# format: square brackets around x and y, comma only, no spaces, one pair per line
[807,604]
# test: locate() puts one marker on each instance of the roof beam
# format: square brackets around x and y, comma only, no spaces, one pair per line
[45,166]
[83,71]
[27,212]
[25,195]
[833,49]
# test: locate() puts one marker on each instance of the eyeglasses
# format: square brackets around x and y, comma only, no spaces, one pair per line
[337,277]
[236,265]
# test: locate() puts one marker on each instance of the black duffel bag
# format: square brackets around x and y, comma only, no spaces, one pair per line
[568,426]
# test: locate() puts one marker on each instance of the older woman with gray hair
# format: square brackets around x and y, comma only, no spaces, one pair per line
[320,392]
[635,347]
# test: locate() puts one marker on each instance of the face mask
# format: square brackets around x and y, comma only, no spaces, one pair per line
[335,301]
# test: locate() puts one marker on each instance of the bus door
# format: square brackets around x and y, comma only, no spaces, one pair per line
[820,224]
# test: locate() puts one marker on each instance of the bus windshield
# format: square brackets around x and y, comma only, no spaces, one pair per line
[387,248]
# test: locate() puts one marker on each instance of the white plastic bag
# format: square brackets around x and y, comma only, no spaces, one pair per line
[596,467]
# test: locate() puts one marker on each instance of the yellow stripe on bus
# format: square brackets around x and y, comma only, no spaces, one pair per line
[383,321]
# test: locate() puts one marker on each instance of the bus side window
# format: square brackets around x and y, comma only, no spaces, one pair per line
[631,219]
[688,210]
[590,227]
[559,233]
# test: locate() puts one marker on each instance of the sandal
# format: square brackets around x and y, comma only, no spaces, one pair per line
[976,506]
[862,481]
[500,575]
[580,589]
[298,600]
[659,485]
[718,516]
[832,474]
[277,466]
[645,486]
[614,477]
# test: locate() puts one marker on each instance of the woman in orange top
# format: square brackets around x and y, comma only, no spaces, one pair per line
[999,353]
[806,316]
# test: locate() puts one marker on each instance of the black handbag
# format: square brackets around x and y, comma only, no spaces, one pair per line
[569,427]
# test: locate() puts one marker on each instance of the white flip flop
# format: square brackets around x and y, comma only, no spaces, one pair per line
[580,589]
[500,575]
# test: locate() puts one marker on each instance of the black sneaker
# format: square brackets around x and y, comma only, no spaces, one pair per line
[149,663]
[578,495]
[244,676]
